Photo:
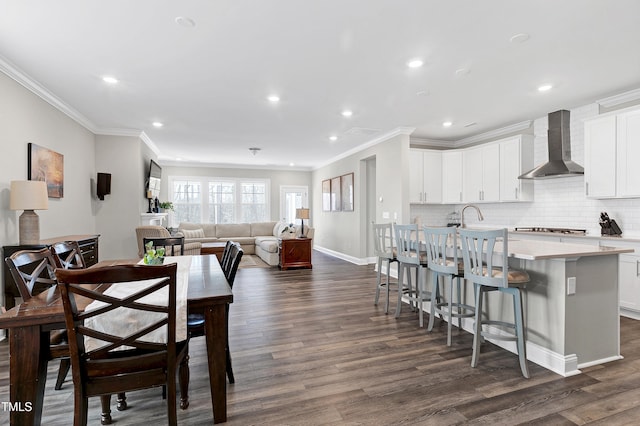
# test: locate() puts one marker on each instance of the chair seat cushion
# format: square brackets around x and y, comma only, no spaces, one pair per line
[514,276]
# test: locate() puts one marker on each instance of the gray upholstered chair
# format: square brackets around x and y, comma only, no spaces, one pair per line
[384,250]
[485,255]
[443,261]
[411,255]
[155,231]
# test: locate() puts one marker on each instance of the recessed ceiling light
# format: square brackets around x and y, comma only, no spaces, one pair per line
[333,138]
[415,63]
[183,21]
[461,72]
[544,88]
[157,124]
[291,164]
[519,38]
[423,93]
[347,113]
[109,79]
[447,124]
[274,99]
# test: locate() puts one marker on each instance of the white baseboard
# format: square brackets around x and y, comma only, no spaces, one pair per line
[355,260]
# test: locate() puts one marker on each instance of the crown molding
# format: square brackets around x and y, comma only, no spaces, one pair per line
[428,143]
[611,101]
[39,90]
[495,134]
[378,139]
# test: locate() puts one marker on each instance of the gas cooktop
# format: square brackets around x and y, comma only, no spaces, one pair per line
[553,230]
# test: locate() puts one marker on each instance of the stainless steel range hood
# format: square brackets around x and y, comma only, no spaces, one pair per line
[559,142]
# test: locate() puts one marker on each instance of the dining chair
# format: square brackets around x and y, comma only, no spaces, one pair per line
[169,244]
[195,322]
[411,255]
[68,255]
[33,272]
[105,362]
[485,255]
[226,254]
[443,261]
[386,254]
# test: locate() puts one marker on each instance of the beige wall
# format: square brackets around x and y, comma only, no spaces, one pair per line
[347,233]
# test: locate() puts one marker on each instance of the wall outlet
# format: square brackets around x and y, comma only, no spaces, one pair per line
[571,286]
[385,215]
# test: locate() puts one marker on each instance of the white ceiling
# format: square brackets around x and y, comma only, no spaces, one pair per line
[208,84]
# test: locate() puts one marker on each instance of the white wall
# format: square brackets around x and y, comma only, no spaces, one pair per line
[345,233]
[118,214]
[557,202]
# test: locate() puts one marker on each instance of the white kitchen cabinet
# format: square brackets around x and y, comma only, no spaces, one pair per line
[516,158]
[628,153]
[600,157]
[452,176]
[629,282]
[481,173]
[425,183]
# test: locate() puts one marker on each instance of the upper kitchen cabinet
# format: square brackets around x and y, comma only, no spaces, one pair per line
[425,183]
[452,176]
[481,173]
[612,147]
[516,157]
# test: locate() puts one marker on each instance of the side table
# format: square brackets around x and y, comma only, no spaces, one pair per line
[295,253]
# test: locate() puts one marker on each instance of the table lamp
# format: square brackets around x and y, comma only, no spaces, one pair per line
[302,214]
[29,195]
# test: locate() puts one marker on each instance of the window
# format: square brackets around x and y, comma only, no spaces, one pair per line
[227,200]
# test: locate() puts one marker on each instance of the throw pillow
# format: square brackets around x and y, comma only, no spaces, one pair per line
[193,233]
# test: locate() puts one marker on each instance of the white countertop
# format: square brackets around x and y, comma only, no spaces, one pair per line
[537,250]
[632,239]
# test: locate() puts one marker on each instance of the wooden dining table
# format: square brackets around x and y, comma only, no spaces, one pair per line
[29,325]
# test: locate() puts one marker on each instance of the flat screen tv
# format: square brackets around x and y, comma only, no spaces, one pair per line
[153,180]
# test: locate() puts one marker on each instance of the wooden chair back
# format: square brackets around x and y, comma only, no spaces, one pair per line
[169,244]
[235,255]
[226,254]
[410,250]
[442,251]
[482,263]
[128,362]
[32,271]
[383,240]
[67,255]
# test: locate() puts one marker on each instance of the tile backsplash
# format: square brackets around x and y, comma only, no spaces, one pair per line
[557,202]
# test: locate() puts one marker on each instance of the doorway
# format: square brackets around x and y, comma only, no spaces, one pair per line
[292,197]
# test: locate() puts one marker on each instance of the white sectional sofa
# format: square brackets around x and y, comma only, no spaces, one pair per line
[260,238]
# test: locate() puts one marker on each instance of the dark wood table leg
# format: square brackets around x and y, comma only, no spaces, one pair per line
[216,335]
[28,349]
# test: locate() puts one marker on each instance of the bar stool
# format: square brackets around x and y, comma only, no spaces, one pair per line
[383,247]
[488,269]
[442,258]
[411,254]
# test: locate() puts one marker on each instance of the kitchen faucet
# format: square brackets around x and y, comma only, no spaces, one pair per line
[480,217]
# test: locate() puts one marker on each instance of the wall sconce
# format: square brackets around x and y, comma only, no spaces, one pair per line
[302,214]
[29,195]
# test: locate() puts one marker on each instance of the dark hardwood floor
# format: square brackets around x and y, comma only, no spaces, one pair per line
[309,348]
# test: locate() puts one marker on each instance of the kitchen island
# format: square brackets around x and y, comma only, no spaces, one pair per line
[571,303]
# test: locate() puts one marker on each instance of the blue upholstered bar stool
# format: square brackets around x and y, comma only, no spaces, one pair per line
[443,261]
[411,255]
[485,255]
[384,250]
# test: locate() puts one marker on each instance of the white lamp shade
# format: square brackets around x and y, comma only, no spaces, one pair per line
[28,195]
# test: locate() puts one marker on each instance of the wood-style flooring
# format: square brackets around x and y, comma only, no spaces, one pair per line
[310,348]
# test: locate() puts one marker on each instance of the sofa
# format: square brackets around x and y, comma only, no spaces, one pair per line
[259,238]
[156,231]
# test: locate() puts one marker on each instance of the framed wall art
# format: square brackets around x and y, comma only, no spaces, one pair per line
[326,195]
[335,194]
[346,190]
[48,166]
